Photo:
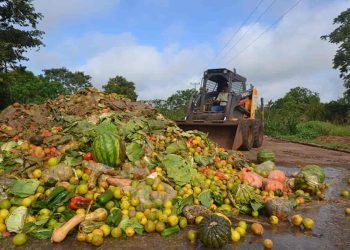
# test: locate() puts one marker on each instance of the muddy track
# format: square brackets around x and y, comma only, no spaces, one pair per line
[295,154]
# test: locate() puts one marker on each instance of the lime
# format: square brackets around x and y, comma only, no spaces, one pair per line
[19,239]
[5,204]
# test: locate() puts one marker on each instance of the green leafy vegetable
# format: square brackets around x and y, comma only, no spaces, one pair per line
[15,221]
[176,146]
[37,230]
[204,197]
[179,203]
[24,188]
[134,151]
[203,160]
[178,169]
[106,126]
[126,222]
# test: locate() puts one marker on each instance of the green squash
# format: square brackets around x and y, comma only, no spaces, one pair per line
[108,149]
[214,231]
[266,155]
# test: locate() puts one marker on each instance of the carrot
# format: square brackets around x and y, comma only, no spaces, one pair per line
[61,233]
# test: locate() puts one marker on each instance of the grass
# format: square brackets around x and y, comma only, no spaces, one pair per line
[309,132]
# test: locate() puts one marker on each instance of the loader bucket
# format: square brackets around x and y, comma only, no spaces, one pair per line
[227,134]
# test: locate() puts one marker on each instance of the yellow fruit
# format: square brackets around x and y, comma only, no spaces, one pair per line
[5,204]
[81,236]
[173,220]
[308,223]
[241,231]
[4,213]
[79,173]
[19,239]
[192,235]
[2,228]
[150,227]
[257,229]
[168,204]
[45,212]
[198,219]
[89,237]
[80,211]
[30,218]
[37,173]
[97,240]
[143,220]
[26,202]
[61,209]
[167,211]
[235,236]
[347,211]
[243,224]
[105,229]
[129,231]
[268,243]
[40,190]
[109,205]
[98,232]
[82,189]
[135,201]
[296,220]
[125,205]
[53,161]
[273,220]
[116,232]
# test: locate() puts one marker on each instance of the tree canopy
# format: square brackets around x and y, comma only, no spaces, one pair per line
[120,85]
[341,37]
[71,81]
[18,31]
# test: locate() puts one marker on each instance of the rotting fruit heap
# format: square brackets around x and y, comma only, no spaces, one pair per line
[163,178]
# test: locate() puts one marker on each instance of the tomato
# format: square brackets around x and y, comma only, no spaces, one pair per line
[88,156]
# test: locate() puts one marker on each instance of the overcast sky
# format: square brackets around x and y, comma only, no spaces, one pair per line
[163,45]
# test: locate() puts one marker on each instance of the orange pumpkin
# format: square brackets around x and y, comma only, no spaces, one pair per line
[272,185]
[277,175]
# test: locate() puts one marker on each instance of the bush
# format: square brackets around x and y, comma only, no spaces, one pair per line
[313,129]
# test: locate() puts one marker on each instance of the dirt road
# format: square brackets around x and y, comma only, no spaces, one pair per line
[294,154]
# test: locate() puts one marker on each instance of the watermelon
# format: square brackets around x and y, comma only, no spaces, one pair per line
[266,155]
[108,149]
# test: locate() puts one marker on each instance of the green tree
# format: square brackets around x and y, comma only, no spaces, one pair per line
[298,105]
[18,31]
[341,37]
[121,86]
[18,34]
[71,81]
[25,87]
[175,106]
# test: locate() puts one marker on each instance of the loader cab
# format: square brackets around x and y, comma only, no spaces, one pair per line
[216,81]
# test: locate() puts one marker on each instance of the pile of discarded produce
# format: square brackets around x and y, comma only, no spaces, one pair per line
[100,165]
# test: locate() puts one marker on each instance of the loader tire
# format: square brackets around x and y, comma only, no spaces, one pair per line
[258,134]
[247,135]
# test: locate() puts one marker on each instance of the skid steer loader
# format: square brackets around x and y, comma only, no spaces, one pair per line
[226,110]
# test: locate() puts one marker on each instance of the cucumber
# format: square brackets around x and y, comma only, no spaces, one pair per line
[170,231]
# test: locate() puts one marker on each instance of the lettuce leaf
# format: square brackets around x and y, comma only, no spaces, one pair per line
[204,198]
[178,169]
[23,188]
[134,151]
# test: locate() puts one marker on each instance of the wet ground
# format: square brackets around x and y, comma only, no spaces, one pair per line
[331,230]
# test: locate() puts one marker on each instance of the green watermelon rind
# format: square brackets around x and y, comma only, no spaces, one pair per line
[266,155]
[108,149]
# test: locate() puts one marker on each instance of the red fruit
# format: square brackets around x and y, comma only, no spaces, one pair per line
[88,156]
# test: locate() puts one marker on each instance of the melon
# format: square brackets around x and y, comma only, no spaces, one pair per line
[108,149]
[266,155]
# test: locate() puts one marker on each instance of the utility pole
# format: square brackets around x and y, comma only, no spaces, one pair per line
[195,84]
